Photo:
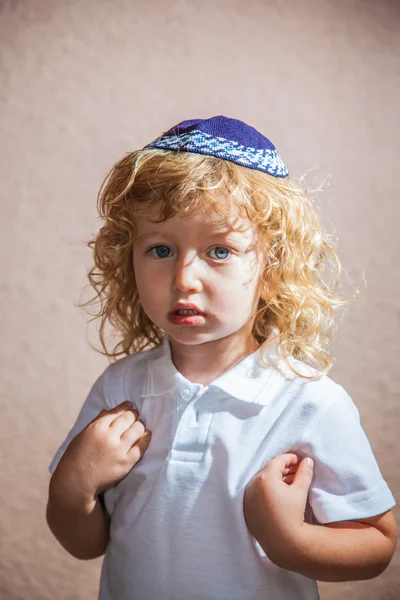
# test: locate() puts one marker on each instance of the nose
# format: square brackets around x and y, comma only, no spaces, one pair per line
[187,275]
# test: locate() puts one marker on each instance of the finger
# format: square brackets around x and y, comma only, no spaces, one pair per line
[139,448]
[303,476]
[288,479]
[124,418]
[109,415]
[288,476]
[122,406]
[290,470]
[281,462]
[131,434]
[288,460]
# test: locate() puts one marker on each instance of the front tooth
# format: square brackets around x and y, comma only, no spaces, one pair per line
[186,311]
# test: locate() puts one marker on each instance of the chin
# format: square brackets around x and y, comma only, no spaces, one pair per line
[190,337]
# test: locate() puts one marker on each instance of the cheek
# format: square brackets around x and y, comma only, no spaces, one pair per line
[239,282]
[146,285]
[241,299]
[139,279]
[151,286]
[236,296]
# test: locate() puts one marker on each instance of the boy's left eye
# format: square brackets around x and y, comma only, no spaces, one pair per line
[220,252]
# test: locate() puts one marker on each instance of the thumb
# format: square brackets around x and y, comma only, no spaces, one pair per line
[303,476]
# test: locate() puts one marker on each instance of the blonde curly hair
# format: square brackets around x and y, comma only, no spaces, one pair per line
[301,271]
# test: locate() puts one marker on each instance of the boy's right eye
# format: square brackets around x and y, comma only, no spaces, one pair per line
[160,251]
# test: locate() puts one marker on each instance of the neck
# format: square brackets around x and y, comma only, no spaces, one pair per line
[202,363]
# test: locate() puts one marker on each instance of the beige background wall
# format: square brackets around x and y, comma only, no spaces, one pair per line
[83,82]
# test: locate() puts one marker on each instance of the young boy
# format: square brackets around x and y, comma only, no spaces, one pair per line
[210,265]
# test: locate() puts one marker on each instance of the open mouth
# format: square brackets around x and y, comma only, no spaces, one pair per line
[186,316]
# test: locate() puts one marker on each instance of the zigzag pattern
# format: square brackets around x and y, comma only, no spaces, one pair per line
[265,160]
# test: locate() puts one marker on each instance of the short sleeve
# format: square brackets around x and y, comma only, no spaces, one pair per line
[97,400]
[347,483]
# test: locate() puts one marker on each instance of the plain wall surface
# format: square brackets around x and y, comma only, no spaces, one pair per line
[83,82]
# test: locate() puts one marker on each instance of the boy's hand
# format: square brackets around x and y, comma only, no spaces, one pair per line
[274,504]
[102,454]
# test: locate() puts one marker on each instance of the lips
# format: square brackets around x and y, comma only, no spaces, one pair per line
[186,306]
[187,316]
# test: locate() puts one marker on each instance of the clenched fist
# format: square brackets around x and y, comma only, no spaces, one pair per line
[274,504]
[102,453]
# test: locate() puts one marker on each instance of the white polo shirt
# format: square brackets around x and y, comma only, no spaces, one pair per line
[177,526]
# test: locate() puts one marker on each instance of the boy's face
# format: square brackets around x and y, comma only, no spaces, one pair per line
[199,260]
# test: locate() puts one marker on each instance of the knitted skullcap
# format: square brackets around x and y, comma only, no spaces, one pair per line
[225,138]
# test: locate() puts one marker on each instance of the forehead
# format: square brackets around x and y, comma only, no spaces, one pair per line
[202,218]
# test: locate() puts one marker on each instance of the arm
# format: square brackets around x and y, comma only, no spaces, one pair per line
[82,527]
[343,551]
[97,458]
[274,504]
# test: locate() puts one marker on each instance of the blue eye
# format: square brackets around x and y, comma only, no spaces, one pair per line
[160,251]
[220,252]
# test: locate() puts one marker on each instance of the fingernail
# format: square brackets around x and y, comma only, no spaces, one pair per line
[309,462]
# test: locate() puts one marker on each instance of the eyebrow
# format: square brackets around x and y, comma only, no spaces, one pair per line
[226,234]
[149,234]
[216,233]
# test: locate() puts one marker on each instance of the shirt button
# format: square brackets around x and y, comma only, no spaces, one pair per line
[186,393]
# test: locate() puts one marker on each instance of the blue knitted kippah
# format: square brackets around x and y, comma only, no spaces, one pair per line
[225,138]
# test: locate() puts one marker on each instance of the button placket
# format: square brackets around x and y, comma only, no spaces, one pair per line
[186,393]
[192,428]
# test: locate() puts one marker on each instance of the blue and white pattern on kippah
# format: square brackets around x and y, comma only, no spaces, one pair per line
[229,139]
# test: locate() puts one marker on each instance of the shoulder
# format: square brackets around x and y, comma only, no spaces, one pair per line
[132,363]
[314,399]
[128,375]
[298,382]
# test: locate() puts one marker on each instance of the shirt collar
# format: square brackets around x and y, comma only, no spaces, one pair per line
[245,381]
